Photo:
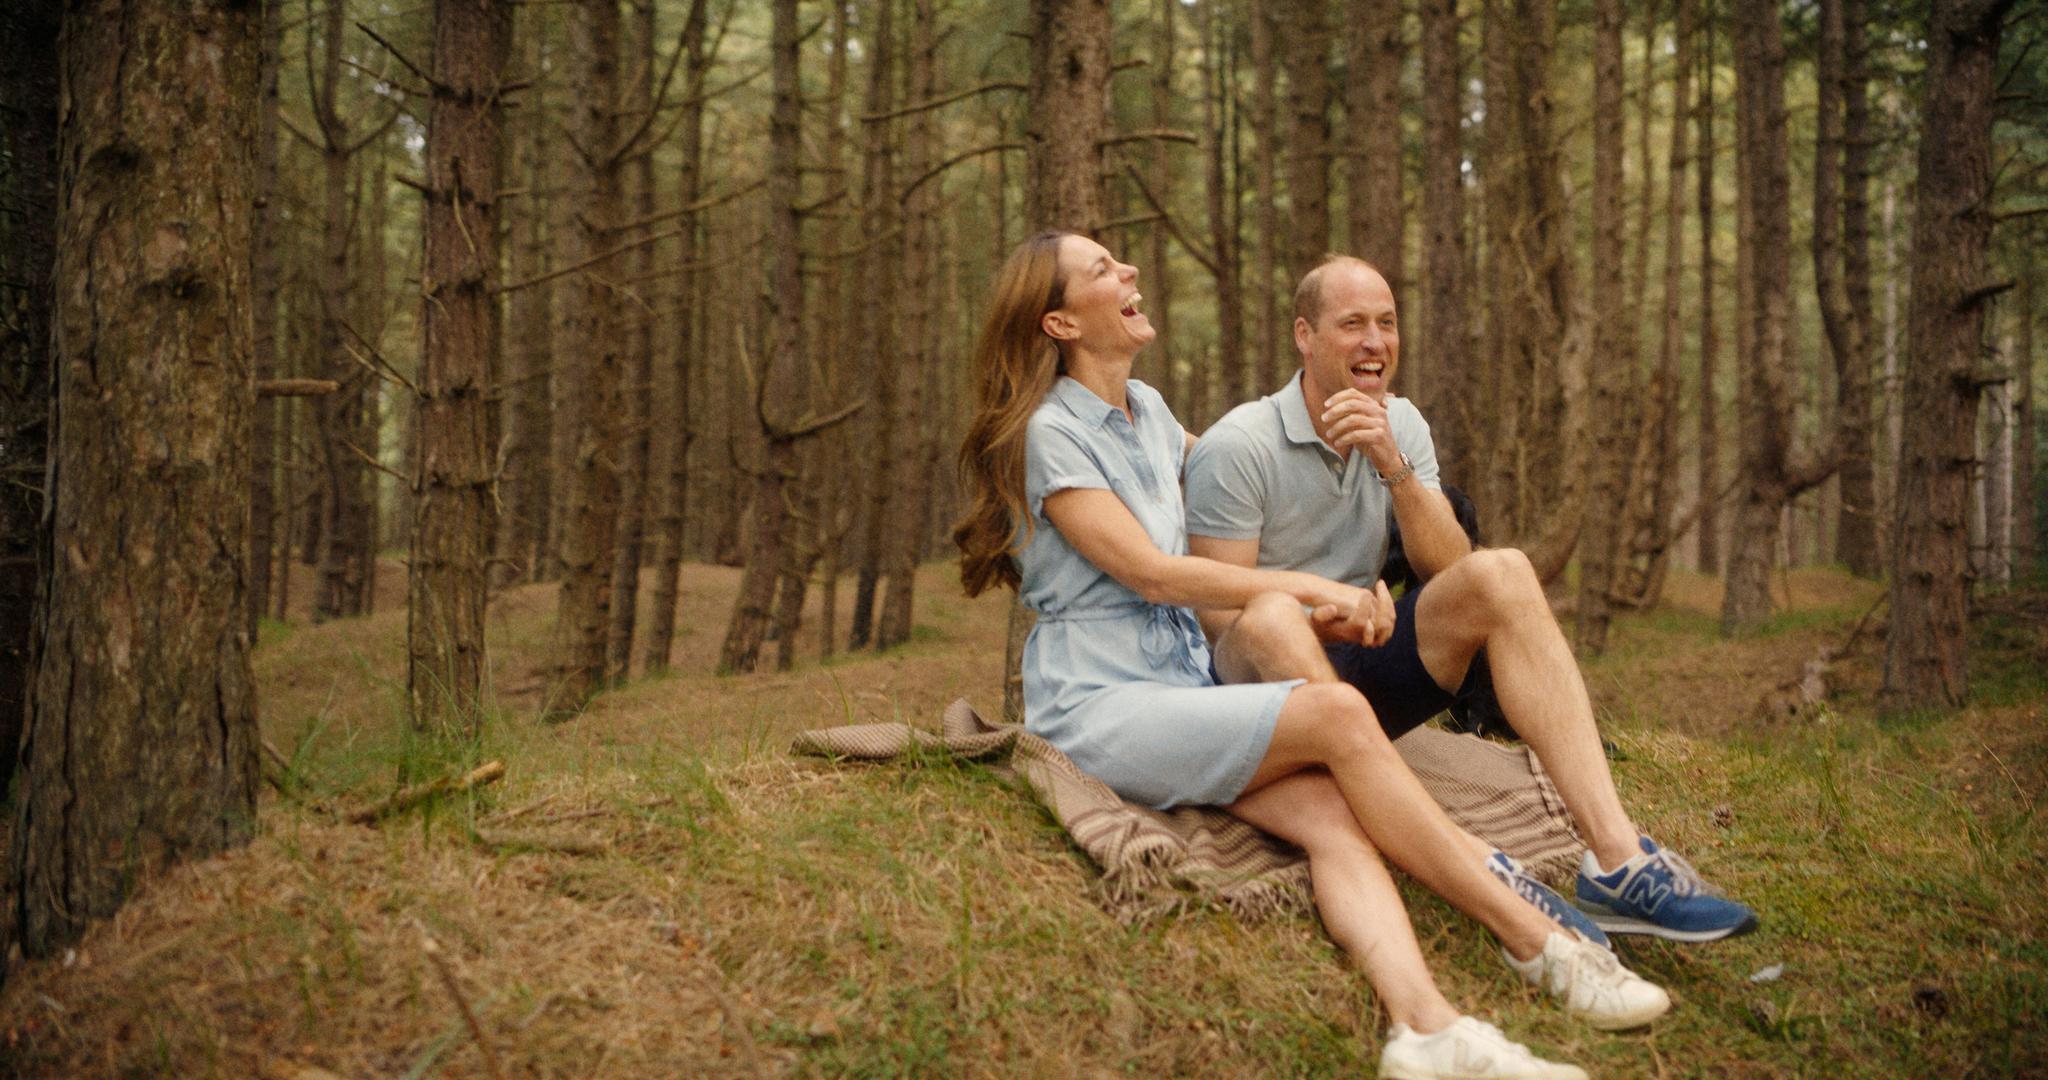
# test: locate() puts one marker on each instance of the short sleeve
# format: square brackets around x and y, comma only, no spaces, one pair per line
[1226,489]
[1411,434]
[1055,460]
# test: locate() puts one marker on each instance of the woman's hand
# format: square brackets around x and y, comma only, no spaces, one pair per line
[1366,619]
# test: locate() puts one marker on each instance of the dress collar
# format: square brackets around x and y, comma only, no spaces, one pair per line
[1083,403]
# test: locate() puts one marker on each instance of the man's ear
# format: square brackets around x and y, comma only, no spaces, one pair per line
[1302,332]
[1059,326]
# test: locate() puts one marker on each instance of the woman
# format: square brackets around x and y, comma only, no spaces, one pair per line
[1078,507]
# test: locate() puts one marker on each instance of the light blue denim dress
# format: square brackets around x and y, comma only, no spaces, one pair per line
[1121,685]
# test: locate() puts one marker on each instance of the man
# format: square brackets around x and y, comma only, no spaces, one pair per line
[1304,480]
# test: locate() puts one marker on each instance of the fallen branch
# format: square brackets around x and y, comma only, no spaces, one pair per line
[407,798]
[476,1030]
[537,842]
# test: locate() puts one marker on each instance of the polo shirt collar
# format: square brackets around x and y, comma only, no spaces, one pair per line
[1083,403]
[1294,419]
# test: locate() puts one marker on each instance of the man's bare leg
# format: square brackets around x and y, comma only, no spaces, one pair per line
[1492,599]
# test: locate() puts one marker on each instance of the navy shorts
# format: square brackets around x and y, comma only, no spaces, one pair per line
[1392,677]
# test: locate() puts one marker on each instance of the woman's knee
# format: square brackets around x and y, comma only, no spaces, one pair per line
[1345,725]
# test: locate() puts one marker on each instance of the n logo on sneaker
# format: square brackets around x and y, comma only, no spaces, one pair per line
[1646,894]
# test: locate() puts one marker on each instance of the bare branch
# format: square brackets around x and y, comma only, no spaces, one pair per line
[275,388]
[592,261]
[1149,134]
[1187,243]
[934,103]
[401,58]
[956,159]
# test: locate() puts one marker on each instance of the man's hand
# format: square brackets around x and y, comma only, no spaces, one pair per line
[1357,422]
[1369,621]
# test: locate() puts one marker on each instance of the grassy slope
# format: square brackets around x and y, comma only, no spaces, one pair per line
[747,912]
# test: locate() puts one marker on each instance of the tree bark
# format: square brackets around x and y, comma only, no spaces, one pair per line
[638,363]
[28,253]
[1306,47]
[1267,369]
[1374,57]
[345,534]
[915,407]
[1708,479]
[264,275]
[1221,197]
[1159,283]
[1843,324]
[453,482]
[1926,650]
[673,398]
[142,738]
[2027,510]
[875,323]
[1446,297]
[1857,531]
[783,363]
[590,321]
[527,482]
[1613,362]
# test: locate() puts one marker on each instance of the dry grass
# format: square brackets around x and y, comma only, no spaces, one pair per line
[657,890]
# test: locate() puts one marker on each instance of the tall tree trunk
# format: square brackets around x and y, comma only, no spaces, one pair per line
[1708,478]
[1446,295]
[2025,545]
[1844,325]
[874,324]
[142,735]
[635,447]
[1651,527]
[1265,120]
[1856,542]
[1613,362]
[1537,343]
[830,322]
[453,485]
[590,320]
[1218,116]
[28,253]
[1159,285]
[265,287]
[345,539]
[674,402]
[783,363]
[1306,46]
[1374,57]
[914,404]
[527,480]
[1770,478]
[1926,650]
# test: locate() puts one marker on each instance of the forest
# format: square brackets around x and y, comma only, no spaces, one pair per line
[454,445]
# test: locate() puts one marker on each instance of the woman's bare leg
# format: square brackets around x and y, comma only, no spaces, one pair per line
[1356,896]
[1329,725]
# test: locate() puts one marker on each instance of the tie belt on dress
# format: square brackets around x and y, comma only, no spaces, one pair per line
[1170,637]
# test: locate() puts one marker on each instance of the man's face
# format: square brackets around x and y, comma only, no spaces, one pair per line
[1355,341]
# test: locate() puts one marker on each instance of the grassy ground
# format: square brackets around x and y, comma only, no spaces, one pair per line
[658,890]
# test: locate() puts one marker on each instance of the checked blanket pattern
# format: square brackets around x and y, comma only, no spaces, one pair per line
[1155,862]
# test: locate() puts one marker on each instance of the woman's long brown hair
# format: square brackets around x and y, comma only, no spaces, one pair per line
[1016,364]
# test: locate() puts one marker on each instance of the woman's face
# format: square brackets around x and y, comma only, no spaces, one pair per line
[1101,309]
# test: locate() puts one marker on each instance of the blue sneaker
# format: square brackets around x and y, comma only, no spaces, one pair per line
[1658,893]
[1544,898]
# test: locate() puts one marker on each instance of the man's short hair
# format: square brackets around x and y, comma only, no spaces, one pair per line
[1308,296]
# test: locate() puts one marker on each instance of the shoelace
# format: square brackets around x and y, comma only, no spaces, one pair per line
[1685,881]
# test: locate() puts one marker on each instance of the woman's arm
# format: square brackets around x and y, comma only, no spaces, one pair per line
[1101,528]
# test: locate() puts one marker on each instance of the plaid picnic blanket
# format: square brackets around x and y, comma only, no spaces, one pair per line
[1158,861]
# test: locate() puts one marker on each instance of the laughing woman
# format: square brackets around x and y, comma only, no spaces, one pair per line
[1077,506]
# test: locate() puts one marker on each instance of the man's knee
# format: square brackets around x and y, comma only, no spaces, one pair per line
[1271,615]
[1495,580]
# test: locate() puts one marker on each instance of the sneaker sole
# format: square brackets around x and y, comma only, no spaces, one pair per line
[1622,924]
[1625,1021]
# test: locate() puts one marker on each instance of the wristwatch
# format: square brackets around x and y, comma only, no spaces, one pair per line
[1406,470]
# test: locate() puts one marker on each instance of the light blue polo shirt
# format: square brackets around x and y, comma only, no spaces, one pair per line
[1262,474]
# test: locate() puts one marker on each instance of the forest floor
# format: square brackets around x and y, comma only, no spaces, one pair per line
[658,889]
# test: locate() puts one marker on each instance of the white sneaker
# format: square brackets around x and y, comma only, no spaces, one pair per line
[1592,983]
[1467,1050]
